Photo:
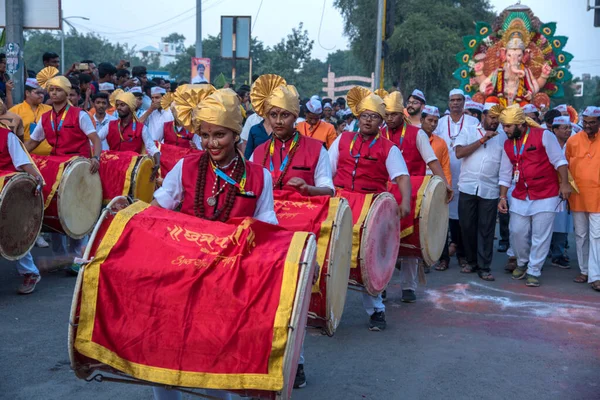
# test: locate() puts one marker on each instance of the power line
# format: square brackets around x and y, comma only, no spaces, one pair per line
[256,17]
[320,25]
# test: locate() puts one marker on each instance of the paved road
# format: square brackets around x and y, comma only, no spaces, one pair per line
[463,339]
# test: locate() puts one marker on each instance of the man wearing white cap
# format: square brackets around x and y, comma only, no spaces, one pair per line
[564,111]
[449,128]
[328,114]
[106,87]
[583,154]
[480,148]
[155,117]
[314,127]
[474,109]
[414,106]
[139,100]
[563,222]
[532,112]
[101,118]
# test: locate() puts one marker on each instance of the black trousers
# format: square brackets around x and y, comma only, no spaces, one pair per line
[503,220]
[477,218]
[456,238]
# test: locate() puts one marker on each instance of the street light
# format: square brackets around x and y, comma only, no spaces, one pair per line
[62,40]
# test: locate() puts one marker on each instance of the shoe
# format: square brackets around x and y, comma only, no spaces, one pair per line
[519,273]
[462,262]
[29,282]
[377,322]
[502,248]
[300,380]
[40,242]
[384,296]
[561,262]
[73,269]
[532,281]
[511,264]
[408,296]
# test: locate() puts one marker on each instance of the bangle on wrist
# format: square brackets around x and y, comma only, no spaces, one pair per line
[482,141]
[503,198]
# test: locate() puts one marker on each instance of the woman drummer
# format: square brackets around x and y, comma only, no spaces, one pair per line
[295,161]
[217,184]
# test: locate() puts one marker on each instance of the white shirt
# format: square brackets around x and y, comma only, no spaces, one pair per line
[17,153]
[480,171]
[148,142]
[102,124]
[85,124]
[424,147]
[252,120]
[170,195]
[394,163]
[197,141]
[449,136]
[323,178]
[529,207]
[156,123]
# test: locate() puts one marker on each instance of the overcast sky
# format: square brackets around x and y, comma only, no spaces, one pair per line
[143,23]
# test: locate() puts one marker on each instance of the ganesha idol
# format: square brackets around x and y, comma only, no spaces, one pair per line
[513,82]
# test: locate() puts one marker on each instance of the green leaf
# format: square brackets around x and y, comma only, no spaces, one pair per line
[563,75]
[563,58]
[471,42]
[482,30]
[461,74]
[464,57]
[548,29]
[560,92]
[558,42]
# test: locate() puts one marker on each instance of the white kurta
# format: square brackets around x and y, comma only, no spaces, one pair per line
[151,148]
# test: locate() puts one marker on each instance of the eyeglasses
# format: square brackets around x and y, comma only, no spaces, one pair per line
[413,103]
[369,117]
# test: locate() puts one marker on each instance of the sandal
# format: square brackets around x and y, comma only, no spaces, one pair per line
[596,286]
[582,278]
[452,249]
[467,269]
[442,266]
[486,276]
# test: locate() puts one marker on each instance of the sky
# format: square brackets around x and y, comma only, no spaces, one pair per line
[143,23]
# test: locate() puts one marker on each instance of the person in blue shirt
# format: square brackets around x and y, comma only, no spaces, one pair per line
[257,136]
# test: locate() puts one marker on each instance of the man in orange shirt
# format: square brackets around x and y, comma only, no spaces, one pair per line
[314,127]
[583,155]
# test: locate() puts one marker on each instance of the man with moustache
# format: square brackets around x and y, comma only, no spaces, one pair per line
[414,107]
[155,117]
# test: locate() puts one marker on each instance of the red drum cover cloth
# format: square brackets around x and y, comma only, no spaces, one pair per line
[51,168]
[170,155]
[115,172]
[188,302]
[410,222]
[4,174]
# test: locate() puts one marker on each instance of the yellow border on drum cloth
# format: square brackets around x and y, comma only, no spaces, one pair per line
[127,183]
[356,236]
[3,179]
[324,240]
[31,161]
[410,230]
[59,174]
[272,381]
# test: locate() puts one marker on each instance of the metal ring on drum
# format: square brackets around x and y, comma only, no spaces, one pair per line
[142,188]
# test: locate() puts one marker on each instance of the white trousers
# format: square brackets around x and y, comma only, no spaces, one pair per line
[160,393]
[587,239]
[530,239]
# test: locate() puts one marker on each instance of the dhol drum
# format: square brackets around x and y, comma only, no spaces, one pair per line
[72,194]
[375,240]
[21,214]
[425,229]
[126,173]
[170,155]
[330,219]
[215,289]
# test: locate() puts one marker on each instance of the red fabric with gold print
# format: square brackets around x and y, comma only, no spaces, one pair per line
[170,155]
[195,303]
[115,172]
[51,168]
[409,223]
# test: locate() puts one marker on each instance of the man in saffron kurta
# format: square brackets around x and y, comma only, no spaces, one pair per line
[583,154]
[314,127]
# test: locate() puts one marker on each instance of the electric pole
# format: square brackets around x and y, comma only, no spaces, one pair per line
[379,44]
[199,28]
[14,34]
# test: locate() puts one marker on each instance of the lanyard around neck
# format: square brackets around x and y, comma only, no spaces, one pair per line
[62,119]
[229,179]
[272,151]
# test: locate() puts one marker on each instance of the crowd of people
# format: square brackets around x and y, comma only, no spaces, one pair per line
[537,170]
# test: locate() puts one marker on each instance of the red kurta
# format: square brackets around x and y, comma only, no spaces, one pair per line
[537,176]
[244,206]
[126,139]
[408,146]
[6,163]
[302,165]
[367,173]
[179,139]
[70,140]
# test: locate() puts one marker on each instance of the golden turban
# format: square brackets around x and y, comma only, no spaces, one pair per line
[496,110]
[221,107]
[129,99]
[394,102]
[112,99]
[514,115]
[272,90]
[45,75]
[60,82]
[361,99]
[381,93]
[185,100]
[166,100]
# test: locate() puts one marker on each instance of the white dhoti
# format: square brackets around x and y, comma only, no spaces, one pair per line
[530,238]
[587,239]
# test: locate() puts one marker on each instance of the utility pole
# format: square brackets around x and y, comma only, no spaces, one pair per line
[14,34]
[199,28]
[379,44]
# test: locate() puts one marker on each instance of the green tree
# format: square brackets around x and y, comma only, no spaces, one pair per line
[344,63]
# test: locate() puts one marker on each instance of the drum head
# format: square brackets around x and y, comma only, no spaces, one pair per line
[338,272]
[79,199]
[380,243]
[21,216]
[433,224]
[141,186]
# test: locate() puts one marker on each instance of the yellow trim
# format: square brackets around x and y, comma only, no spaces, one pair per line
[59,175]
[127,183]
[272,381]
[407,232]
[411,229]
[323,243]
[356,229]
[33,164]
[3,179]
